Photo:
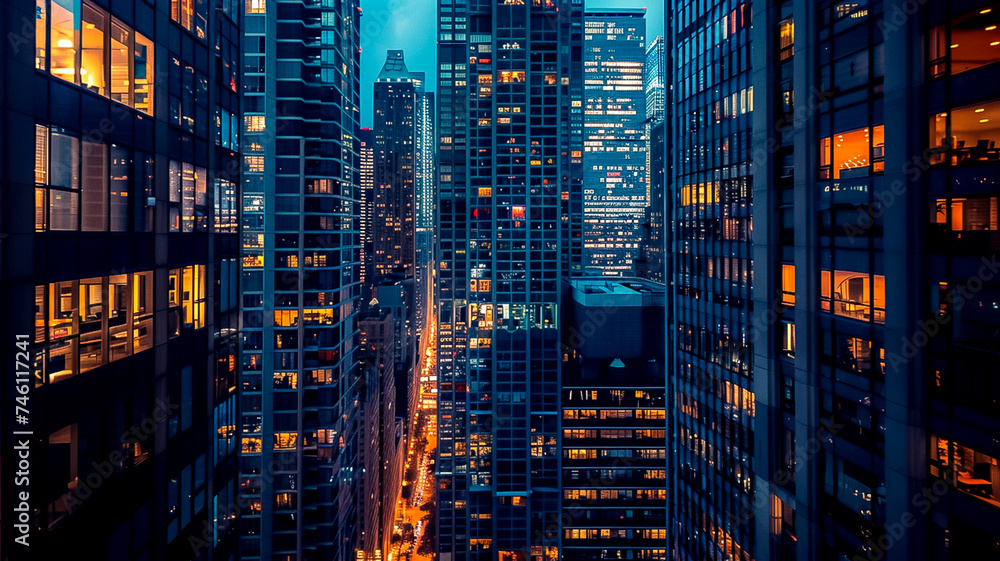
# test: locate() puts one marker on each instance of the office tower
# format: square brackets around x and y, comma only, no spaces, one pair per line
[613,437]
[299,415]
[119,278]
[652,259]
[655,80]
[382,453]
[395,124]
[510,148]
[366,140]
[710,381]
[875,284]
[614,180]
[395,295]
[426,194]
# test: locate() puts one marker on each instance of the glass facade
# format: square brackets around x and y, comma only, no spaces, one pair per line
[510,121]
[120,269]
[711,382]
[300,384]
[614,149]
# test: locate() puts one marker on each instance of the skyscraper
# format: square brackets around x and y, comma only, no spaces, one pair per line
[655,80]
[876,281]
[366,140]
[510,147]
[119,278]
[614,153]
[426,199]
[710,381]
[299,379]
[395,124]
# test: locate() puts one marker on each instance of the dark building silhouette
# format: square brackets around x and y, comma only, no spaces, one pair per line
[613,439]
[120,278]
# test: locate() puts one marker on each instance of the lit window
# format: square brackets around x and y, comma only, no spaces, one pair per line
[856,153]
[966,135]
[255,6]
[788,285]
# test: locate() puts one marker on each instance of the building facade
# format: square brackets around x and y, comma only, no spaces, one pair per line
[396,117]
[120,280]
[366,140]
[710,382]
[875,267]
[301,242]
[613,437]
[614,153]
[510,126]
[655,80]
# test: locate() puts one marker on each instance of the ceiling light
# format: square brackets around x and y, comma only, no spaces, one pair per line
[954,46]
[64,44]
[980,110]
[984,120]
[991,28]
[995,43]
[986,11]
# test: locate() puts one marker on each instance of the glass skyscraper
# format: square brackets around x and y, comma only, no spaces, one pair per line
[614,153]
[299,382]
[510,97]
[120,285]
[710,381]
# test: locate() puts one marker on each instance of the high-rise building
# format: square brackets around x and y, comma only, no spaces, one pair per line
[875,282]
[652,252]
[614,154]
[510,123]
[395,123]
[301,243]
[119,278]
[382,453]
[710,383]
[366,140]
[613,437]
[655,80]
[426,198]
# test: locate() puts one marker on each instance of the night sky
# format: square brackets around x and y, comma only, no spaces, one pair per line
[411,25]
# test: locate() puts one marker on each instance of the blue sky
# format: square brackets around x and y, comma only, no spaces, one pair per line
[410,25]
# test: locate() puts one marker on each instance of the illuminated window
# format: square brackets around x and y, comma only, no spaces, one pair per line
[285,440]
[976,214]
[253,123]
[966,135]
[64,38]
[786,38]
[788,285]
[854,295]
[974,43]
[255,6]
[856,153]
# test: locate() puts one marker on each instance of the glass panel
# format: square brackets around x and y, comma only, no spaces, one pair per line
[41,25]
[144,74]
[142,310]
[187,198]
[975,131]
[94,211]
[91,323]
[63,210]
[118,316]
[119,189]
[41,154]
[64,35]
[121,63]
[64,160]
[93,55]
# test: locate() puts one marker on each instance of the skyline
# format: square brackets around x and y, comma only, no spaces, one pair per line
[405,19]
